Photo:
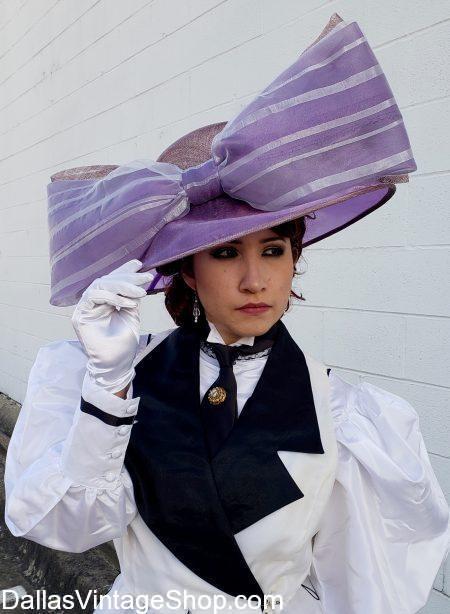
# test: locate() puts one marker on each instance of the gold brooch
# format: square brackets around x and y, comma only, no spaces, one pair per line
[217,395]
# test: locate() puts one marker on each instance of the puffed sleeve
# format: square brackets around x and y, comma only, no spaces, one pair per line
[385,530]
[65,481]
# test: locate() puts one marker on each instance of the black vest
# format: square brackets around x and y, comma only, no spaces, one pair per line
[195,507]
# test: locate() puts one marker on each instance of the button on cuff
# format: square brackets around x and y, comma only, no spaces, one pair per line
[116,453]
[124,429]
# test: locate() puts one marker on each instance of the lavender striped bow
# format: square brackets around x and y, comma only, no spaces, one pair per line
[327,123]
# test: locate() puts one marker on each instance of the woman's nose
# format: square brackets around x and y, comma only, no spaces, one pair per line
[253,278]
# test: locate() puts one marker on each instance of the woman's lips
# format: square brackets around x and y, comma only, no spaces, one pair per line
[254,310]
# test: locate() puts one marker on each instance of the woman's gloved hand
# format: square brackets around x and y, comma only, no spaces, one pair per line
[107,323]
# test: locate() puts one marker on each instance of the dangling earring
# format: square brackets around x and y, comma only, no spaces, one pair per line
[196,309]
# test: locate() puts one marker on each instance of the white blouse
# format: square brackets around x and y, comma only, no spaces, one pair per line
[382,537]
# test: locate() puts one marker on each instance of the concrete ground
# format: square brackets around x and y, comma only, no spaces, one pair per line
[30,567]
[13,563]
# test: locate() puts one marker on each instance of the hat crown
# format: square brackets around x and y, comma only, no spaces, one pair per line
[190,150]
[193,148]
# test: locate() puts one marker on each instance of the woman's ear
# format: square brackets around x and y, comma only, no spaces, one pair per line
[188,276]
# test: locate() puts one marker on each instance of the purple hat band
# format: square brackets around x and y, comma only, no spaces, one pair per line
[325,138]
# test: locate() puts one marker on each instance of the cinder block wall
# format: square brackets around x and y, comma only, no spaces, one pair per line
[104,82]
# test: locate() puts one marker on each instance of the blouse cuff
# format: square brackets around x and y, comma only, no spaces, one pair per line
[106,401]
[94,451]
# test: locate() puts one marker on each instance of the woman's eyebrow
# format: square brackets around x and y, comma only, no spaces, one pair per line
[267,240]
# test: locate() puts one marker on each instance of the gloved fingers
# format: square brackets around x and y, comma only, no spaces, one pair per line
[128,270]
[119,286]
[127,267]
[99,296]
[140,279]
[114,280]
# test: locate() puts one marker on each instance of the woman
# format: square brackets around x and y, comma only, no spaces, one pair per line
[223,461]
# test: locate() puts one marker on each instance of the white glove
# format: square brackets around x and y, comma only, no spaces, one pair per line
[107,323]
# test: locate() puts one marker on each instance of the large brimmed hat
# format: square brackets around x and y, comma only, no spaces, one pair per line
[325,139]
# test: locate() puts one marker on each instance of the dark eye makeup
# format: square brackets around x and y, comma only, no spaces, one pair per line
[275,250]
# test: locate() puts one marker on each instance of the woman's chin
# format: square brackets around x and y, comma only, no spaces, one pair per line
[252,324]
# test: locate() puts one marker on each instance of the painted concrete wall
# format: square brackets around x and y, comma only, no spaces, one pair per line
[104,82]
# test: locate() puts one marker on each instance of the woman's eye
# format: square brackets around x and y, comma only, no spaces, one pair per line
[279,251]
[218,252]
[230,252]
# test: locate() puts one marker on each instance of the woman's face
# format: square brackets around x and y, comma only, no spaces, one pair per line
[256,268]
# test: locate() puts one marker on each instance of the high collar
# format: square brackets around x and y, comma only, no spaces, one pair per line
[215,337]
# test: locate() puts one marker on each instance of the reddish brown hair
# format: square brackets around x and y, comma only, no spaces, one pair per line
[179,298]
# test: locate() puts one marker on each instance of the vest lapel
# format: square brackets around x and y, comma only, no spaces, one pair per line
[196,507]
[280,415]
[167,461]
